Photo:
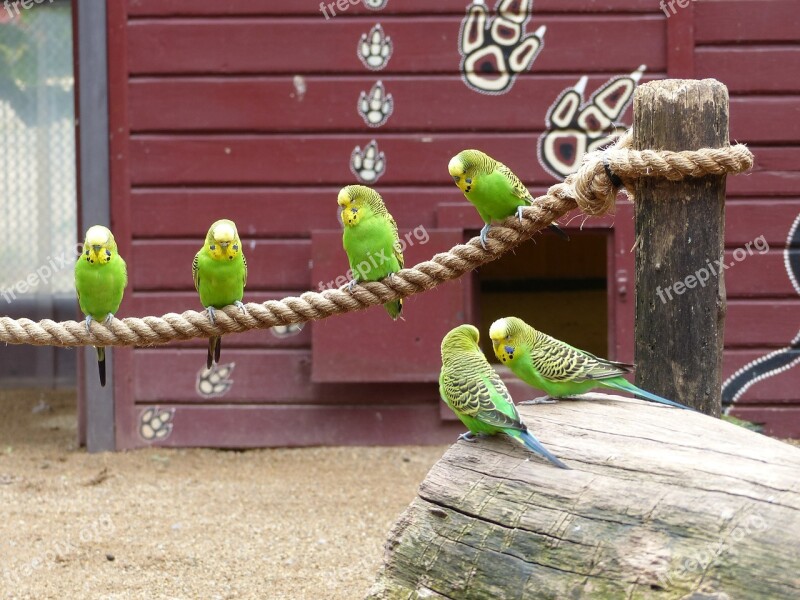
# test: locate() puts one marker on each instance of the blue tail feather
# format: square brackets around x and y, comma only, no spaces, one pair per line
[629,387]
[531,443]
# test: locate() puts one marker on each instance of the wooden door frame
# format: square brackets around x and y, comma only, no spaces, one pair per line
[95,403]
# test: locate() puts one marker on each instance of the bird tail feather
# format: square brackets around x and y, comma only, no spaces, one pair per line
[101,365]
[213,351]
[532,444]
[629,387]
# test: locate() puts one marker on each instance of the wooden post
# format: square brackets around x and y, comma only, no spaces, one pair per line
[680,235]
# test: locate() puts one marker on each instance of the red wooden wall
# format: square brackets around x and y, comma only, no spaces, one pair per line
[248,109]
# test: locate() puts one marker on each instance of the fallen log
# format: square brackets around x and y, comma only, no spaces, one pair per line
[659,503]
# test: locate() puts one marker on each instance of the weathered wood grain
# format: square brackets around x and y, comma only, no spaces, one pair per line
[660,503]
[680,229]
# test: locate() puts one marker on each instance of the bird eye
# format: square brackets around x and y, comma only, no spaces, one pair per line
[213,247]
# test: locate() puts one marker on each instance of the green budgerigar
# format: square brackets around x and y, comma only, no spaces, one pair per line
[557,368]
[100,280]
[492,188]
[219,270]
[370,238]
[474,391]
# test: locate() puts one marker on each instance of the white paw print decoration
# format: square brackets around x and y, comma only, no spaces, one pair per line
[285,331]
[155,424]
[375,4]
[377,106]
[216,381]
[369,164]
[375,48]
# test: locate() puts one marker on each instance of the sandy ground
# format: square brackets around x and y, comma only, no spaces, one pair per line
[193,524]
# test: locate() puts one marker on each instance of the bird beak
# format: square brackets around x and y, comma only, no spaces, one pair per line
[96,248]
[456,178]
[224,245]
[339,214]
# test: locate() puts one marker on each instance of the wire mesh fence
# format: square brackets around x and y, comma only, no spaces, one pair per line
[37,152]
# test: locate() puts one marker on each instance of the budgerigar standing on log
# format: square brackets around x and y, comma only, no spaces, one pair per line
[474,391]
[556,367]
[492,188]
[100,280]
[370,238]
[219,270]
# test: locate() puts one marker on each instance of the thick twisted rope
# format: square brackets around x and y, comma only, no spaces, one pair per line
[593,189]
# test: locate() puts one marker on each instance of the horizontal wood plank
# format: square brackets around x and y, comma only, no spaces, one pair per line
[270,212]
[261,376]
[273,212]
[745,21]
[295,426]
[167,264]
[410,160]
[190,8]
[297,46]
[778,422]
[273,105]
[750,68]
[761,323]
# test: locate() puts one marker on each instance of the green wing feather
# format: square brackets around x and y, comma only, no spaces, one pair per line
[517,187]
[559,362]
[473,388]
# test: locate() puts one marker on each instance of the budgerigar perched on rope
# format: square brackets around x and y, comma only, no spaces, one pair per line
[370,238]
[100,280]
[556,367]
[473,390]
[219,270]
[491,187]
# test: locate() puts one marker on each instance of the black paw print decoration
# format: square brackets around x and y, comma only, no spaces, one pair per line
[216,381]
[778,361]
[494,50]
[575,127]
[155,424]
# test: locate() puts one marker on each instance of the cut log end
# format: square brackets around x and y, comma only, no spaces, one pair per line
[660,503]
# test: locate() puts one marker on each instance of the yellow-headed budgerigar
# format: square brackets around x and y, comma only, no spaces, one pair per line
[473,390]
[370,238]
[219,270]
[100,280]
[492,188]
[556,367]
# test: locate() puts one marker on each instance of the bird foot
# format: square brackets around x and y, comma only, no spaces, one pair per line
[468,436]
[212,316]
[352,284]
[108,319]
[88,322]
[483,234]
[238,304]
[519,213]
[540,400]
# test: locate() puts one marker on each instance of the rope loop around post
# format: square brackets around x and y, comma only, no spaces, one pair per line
[593,189]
